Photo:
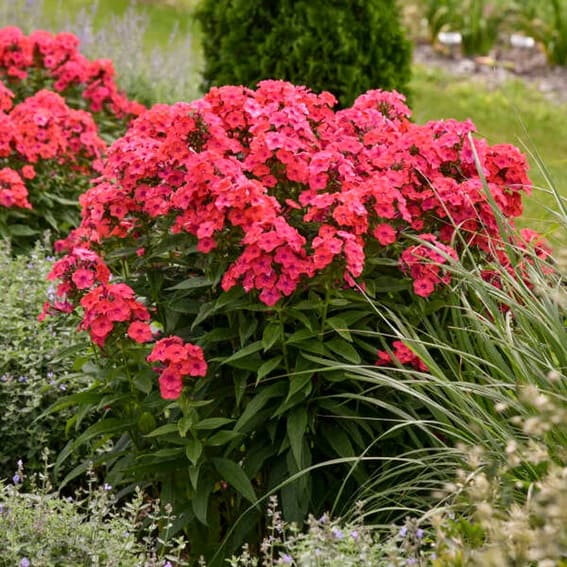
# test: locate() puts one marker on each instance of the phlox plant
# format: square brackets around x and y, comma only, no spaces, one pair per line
[228,246]
[58,111]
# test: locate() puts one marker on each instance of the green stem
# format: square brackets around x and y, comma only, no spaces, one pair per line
[324,311]
[283,343]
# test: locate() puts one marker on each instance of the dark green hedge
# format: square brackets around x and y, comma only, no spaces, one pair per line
[343,46]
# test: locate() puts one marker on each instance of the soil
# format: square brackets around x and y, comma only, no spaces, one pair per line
[528,65]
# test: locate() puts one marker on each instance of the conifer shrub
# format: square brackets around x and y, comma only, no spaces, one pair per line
[343,47]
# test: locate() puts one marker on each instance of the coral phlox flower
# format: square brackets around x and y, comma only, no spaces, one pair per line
[178,359]
[424,264]
[401,354]
[109,305]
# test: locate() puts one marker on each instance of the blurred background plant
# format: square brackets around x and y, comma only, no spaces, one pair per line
[547,23]
[153,48]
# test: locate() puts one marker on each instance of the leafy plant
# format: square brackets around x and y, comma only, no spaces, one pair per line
[342,47]
[547,22]
[34,372]
[246,226]
[478,21]
[38,527]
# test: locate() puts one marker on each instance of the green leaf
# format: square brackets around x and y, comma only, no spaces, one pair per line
[164,430]
[185,424]
[268,366]
[193,450]
[200,500]
[207,309]
[213,423]
[299,336]
[386,284]
[312,345]
[222,438]
[184,305]
[218,334]
[168,453]
[194,475]
[233,474]
[144,382]
[344,349]
[192,283]
[300,316]
[21,230]
[259,401]
[240,380]
[106,428]
[272,333]
[244,352]
[246,327]
[296,426]
[340,326]
[338,440]
[299,382]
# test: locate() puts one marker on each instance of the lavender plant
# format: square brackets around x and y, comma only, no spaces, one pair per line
[37,527]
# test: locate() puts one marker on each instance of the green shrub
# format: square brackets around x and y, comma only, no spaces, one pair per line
[343,47]
[39,528]
[32,375]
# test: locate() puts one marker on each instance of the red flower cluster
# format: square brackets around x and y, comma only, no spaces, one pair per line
[13,192]
[77,272]
[43,127]
[109,305]
[54,61]
[280,188]
[178,360]
[403,355]
[49,145]
[423,262]
[293,187]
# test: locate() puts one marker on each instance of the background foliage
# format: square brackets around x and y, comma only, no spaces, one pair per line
[343,47]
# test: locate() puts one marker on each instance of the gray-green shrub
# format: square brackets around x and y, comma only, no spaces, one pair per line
[33,373]
[37,527]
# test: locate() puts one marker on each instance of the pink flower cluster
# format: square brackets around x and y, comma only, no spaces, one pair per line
[55,61]
[40,130]
[40,134]
[292,187]
[84,278]
[109,305]
[424,262]
[177,360]
[403,355]
[13,192]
